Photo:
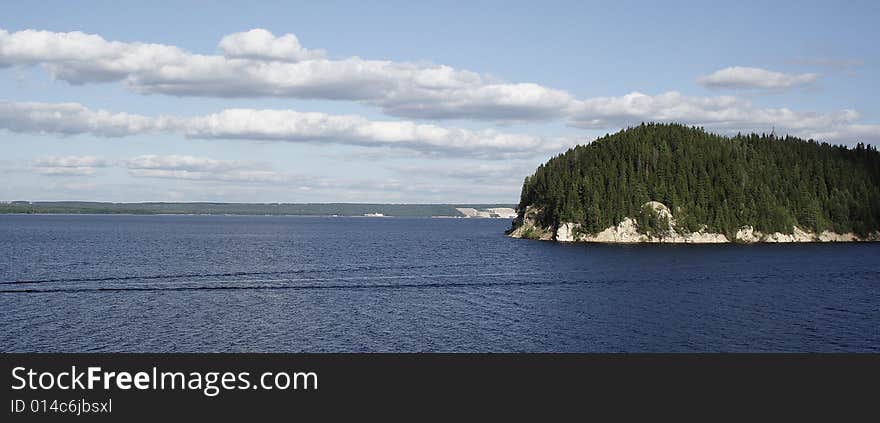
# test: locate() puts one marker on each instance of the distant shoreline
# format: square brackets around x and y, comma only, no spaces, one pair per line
[366,210]
[245,215]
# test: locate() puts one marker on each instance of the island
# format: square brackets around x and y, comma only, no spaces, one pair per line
[671,183]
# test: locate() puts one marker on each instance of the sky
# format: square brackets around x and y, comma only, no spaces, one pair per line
[400,102]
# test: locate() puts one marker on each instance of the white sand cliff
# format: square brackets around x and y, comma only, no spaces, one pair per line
[627,232]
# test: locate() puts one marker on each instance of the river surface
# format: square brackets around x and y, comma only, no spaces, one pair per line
[323,284]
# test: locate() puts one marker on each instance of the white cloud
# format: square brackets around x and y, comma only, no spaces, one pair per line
[258,64]
[748,77]
[201,168]
[256,176]
[65,171]
[849,133]
[69,165]
[278,125]
[190,163]
[288,125]
[72,161]
[722,113]
[74,118]
[727,114]
[260,44]
[523,101]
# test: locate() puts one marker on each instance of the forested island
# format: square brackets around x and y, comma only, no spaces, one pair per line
[674,183]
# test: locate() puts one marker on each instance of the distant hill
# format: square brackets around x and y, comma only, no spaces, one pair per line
[705,183]
[302,209]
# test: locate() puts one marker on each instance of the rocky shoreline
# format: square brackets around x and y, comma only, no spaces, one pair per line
[627,231]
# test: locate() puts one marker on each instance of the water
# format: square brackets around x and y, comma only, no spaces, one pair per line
[271,284]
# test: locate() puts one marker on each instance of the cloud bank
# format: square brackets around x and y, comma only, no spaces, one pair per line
[278,125]
[256,63]
[727,114]
[74,118]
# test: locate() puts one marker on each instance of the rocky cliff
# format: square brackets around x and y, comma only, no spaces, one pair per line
[628,231]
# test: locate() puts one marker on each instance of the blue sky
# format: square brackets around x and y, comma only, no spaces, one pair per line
[399,101]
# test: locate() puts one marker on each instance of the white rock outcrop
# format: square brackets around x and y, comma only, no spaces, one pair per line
[529,227]
[627,231]
[566,232]
[748,234]
[827,236]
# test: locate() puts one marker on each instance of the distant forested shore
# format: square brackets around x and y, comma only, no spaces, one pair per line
[274,209]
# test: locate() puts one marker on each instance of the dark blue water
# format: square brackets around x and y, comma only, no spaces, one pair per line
[199,283]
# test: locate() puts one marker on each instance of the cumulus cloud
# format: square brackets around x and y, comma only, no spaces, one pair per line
[261,44]
[256,63]
[748,77]
[278,125]
[74,118]
[288,125]
[69,165]
[727,114]
[722,113]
